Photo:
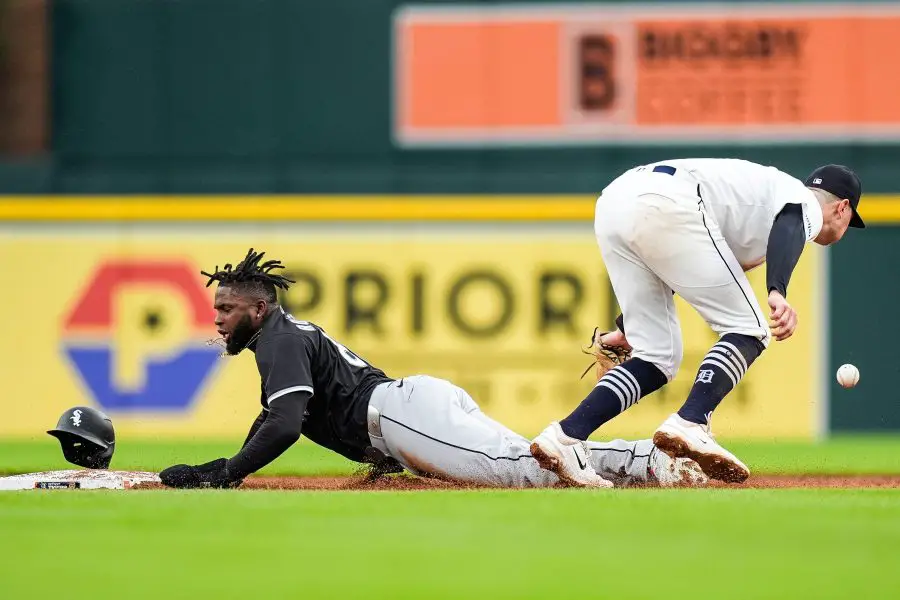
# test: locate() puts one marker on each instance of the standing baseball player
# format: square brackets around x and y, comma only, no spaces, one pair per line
[313,384]
[693,228]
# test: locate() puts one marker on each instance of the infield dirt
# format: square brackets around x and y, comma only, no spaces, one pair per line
[409,483]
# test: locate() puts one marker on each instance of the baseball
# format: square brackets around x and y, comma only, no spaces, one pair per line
[848,376]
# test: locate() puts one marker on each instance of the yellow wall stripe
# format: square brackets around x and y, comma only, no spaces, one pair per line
[875,209]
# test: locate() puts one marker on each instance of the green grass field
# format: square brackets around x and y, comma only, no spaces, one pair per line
[721,543]
[536,544]
[861,454]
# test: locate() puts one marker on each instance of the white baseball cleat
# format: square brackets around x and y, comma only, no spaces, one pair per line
[675,472]
[682,439]
[567,457]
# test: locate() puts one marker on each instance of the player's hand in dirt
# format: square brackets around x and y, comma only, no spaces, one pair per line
[213,474]
[783,316]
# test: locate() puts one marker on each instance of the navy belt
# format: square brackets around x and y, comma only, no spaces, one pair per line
[670,170]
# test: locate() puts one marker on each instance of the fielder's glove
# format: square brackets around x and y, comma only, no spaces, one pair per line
[605,356]
[213,474]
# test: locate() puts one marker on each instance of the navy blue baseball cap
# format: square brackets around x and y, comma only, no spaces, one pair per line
[843,183]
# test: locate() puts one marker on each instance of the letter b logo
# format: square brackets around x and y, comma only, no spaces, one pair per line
[596,60]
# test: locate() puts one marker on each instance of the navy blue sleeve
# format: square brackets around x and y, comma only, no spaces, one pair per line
[786,241]
[256,425]
[279,430]
[284,363]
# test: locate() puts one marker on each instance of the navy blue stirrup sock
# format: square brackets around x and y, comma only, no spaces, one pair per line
[621,387]
[719,373]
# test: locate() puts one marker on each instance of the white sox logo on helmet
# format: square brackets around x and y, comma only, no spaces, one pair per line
[76,418]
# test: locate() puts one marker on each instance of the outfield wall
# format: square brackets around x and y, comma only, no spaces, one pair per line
[311,96]
[864,288]
[268,97]
[498,297]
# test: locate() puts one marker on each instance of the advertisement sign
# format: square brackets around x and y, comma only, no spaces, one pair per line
[597,74]
[119,318]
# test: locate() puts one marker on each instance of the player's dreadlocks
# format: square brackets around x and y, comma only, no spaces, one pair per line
[251,276]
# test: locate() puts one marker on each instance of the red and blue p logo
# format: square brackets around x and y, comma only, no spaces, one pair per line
[137,336]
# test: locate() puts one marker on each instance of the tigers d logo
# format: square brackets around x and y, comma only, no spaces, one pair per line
[136,335]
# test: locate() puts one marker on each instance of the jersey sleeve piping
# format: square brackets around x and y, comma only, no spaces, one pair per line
[812,219]
[286,391]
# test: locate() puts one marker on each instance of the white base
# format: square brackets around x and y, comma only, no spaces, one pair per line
[85,479]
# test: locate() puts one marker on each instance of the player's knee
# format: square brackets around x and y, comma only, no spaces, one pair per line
[670,363]
[666,366]
[667,363]
[668,369]
[677,357]
[748,346]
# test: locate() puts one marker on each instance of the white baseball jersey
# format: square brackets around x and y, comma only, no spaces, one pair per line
[657,235]
[745,197]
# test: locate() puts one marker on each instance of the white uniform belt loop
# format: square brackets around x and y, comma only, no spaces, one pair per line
[677,173]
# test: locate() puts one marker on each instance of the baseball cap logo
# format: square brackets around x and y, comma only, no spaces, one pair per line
[841,182]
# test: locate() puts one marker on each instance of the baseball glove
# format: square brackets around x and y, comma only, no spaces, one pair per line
[605,356]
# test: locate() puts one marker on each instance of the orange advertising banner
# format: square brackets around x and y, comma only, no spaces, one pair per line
[555,74]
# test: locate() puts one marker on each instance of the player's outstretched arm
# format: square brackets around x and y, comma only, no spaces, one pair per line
[279,430]
[255,427]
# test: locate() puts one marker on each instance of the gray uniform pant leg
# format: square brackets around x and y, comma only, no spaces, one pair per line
[623,462]
[434,428]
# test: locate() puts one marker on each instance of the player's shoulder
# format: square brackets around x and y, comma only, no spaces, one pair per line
[735,169]
[713,164]
[284,330]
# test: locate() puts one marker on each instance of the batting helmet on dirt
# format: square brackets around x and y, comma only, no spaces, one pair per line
[87,437]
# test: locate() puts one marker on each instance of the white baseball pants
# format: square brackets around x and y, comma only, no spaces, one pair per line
[655,236]
[434,428]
